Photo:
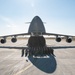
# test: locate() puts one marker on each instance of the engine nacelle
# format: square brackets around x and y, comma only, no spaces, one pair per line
[58,39]
[69,40]
[3,41]
[13,39]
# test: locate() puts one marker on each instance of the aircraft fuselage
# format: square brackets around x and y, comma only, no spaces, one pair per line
[36,29]
[36,42]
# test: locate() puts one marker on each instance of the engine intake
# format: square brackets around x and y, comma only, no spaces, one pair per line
[69,40]
[3,41]
[58,39]
[13,40]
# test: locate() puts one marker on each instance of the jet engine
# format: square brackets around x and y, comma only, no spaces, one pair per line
[58,39]
[3,40]
[14,39]
[68,39]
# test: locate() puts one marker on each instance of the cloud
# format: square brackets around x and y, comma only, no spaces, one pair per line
[31,2]
[7,20]
[10,24]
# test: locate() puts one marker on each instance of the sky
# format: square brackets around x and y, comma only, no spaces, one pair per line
[59,15]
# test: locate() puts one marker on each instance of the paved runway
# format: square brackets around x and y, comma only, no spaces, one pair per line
[11,62]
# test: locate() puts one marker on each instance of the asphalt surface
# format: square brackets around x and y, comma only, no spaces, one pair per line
[11,62]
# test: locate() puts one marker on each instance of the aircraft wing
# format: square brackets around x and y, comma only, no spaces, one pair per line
[57,34]
[22,34]
[8,47]
[53,47]
[61,47]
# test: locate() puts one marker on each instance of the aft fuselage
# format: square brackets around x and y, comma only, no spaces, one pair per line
[36,29]
[36,42]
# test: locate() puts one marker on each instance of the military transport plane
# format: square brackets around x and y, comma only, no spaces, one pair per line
[36,43]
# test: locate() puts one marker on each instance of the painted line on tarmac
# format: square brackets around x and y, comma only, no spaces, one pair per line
[19,72]
[6,57]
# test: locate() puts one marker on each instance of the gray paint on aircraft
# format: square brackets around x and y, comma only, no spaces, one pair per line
[36,26]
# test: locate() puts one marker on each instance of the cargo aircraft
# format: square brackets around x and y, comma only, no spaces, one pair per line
[36,45]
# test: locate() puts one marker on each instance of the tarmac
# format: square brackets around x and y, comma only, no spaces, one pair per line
[11,62]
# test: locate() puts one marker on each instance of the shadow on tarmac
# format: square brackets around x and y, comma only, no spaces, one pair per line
[47,65]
